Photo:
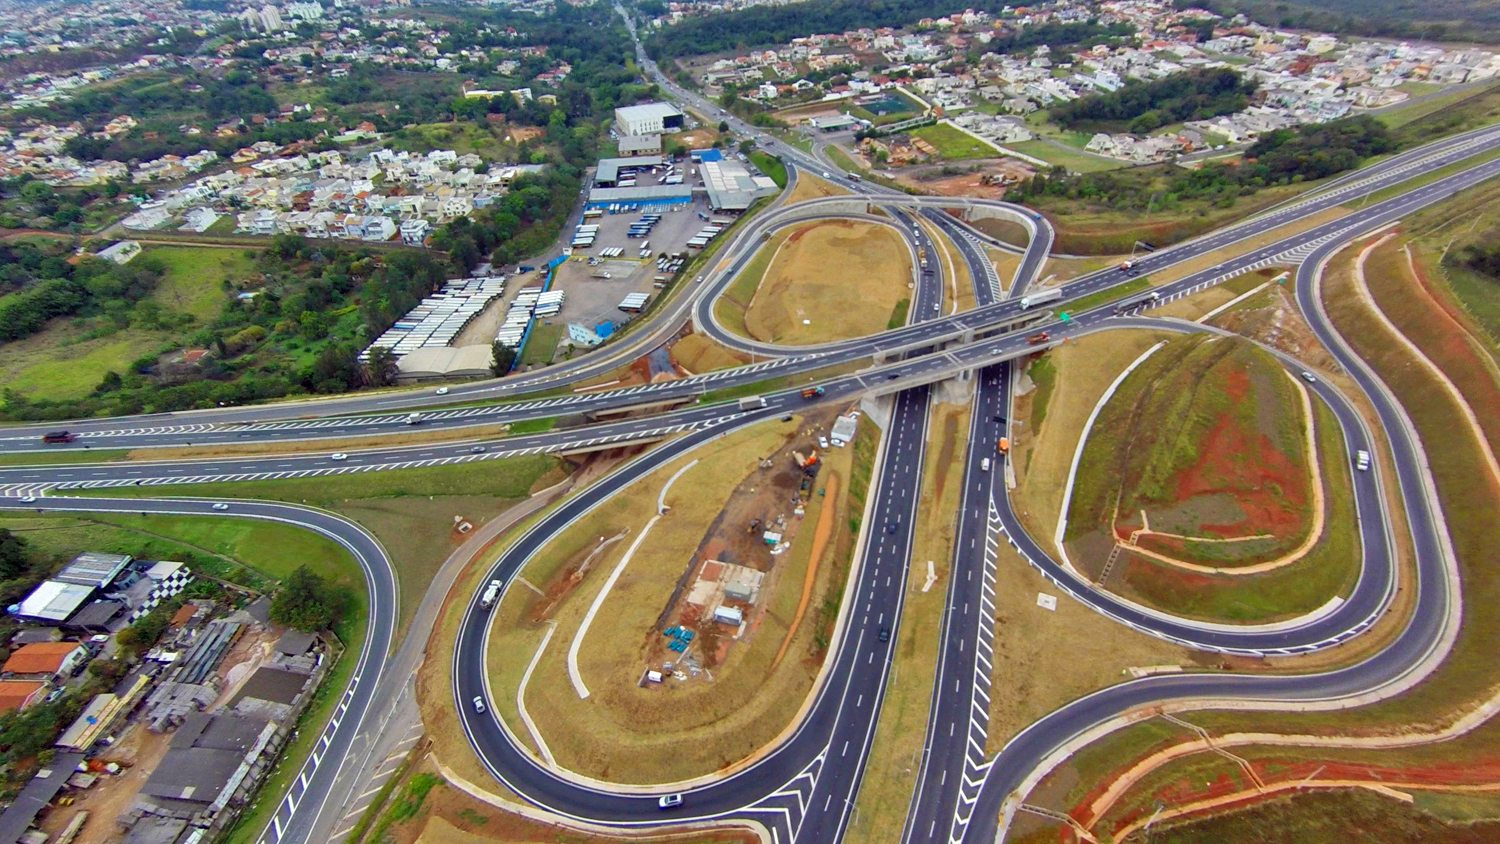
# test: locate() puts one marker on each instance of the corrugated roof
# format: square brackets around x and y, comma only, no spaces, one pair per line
[39,657]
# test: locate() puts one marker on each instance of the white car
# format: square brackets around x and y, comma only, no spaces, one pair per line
[339,456]
[823,443]
[221,506]
[984,465]
[669,801]
[1309,378]
[442,391]
[479,704]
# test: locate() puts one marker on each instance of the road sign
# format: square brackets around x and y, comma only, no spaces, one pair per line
[1064,317]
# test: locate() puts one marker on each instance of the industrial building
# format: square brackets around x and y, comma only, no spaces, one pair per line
[731,187]
[647,118]
[101,593]
[609,171]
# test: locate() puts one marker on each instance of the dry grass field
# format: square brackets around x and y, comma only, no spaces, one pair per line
[831,281]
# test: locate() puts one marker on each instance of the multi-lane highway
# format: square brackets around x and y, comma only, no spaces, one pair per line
[804,788]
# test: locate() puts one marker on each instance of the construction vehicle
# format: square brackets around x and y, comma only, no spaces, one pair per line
[1038,338]
[922,255]
[491,592]
[1004,446]
[1041,297]
[811,392]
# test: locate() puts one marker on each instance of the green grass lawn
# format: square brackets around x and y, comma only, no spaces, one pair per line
[195,277]
[58,363]
[771,166]
[953,144]
[542,344]
[844,160]
[71,455]
[1078,162]
[1411,111]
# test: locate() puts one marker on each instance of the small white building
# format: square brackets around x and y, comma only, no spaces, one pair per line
[199,219]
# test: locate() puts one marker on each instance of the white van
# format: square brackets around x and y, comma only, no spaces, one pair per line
[984,465]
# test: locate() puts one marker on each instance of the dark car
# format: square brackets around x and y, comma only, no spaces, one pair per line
[885,634]
[890,527]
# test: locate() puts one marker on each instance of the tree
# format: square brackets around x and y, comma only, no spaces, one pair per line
[307,602]
[747,146]
[382,367]
[13,558]
[504,358]
[723,126]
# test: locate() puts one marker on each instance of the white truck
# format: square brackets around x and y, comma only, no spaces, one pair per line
[491,592]
[1041,297]
[752,403]
[414,419]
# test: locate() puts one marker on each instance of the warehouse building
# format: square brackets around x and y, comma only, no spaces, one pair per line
[646,118]
[610,170]
[651,196]
[731,187]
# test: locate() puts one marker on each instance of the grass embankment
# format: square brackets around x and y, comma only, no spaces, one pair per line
[249,552]
[1349,817]
[812,187]
[771,166]
[1468,496]
[626,731]
[843,160]
[1004,229]
[730,309]
[1109,294]
[958,287]
[1043,453]
[830,280]
[425,809]
[697,353]
[1087,227]
[895,758]
[1165,463]
[409,510]
[54,458]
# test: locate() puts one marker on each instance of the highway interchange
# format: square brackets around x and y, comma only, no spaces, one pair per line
[804,788]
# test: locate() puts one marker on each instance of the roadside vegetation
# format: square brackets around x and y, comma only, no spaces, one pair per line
[1144,107]
[411,511]
[1163,476]
[1179,203]
[626,731]
[1426,309]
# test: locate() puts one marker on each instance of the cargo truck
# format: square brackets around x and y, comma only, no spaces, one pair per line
[491,592]
[1003,446]
[1146,300]
[414,419]
[811,392]
[1038,338]
[1041,298]
[752,403]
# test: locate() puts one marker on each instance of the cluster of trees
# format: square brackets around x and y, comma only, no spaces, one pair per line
[526,221]
[1484,260]
[317,307]
[777,24]
[46,287]
[1279,158]
[1146,106]
[308,602]
[1436,20]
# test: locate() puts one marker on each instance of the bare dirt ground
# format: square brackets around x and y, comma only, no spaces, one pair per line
[984,181]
